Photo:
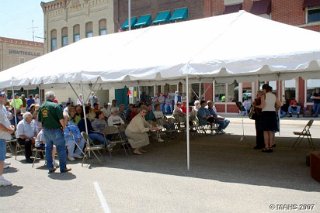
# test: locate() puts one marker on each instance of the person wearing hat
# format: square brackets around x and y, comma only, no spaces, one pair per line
[16,102]
[5,134]
[51,116]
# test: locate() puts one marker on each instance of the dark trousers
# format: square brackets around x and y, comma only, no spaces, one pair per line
[27,147]
[259,131]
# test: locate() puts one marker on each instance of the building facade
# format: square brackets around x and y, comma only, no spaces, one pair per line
[14,52]
[67,21]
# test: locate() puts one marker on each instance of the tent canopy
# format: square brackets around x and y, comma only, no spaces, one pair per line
[238,46]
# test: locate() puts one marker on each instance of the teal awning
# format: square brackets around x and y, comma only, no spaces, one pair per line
[125,24]
[179,14]
[162,17]
[143,21]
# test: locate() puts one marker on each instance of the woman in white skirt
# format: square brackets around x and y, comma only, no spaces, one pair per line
[137,131]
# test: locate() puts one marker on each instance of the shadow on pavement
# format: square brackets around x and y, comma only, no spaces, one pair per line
[224,158]
[62,176]
[6,191]
[10,170]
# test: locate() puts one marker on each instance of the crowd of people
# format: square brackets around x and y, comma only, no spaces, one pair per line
[57,129]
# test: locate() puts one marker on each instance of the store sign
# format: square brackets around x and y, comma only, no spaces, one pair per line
[25,53]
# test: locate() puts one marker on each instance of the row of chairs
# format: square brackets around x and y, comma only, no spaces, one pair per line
[161,18]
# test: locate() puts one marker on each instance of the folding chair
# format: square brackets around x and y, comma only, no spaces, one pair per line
[19,149]
[90,148]
[117,137]
[304,133]
[37,151]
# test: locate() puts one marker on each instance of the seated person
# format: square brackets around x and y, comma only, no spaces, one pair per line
[26,133]
[114,119]
[221,121]
[149,116]
[40,143]
[93,135]
[99,124]
[137,131]
[284,108]
[204,115]
[294,108]
[161,119]
[122,112]
[73,139]
[178,114]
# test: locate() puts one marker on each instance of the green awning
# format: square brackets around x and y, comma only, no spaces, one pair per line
[143,21]
[125,24]
[179,14]
[162,17]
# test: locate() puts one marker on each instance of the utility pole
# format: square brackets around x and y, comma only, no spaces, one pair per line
[129,14]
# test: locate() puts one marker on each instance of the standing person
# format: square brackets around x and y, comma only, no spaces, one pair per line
[51,117]
[269,103]
[258,121]
[5,134]
[37,99]
[316,103]
[80,100]
[16,102]
[30,101]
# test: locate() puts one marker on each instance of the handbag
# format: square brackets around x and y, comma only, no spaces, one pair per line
[252,114]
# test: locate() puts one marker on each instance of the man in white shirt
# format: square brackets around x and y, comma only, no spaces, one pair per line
[5,134]
[26,134]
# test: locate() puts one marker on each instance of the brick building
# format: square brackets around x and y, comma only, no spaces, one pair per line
[15,51]
[67,21]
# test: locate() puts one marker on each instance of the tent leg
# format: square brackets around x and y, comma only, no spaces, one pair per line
[187,123]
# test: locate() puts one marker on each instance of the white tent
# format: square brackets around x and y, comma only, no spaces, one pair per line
[238,46]
[227,47]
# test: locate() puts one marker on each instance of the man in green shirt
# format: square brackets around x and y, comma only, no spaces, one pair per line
[51,116]
[16,102]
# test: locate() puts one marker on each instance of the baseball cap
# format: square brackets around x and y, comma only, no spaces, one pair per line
[2,94]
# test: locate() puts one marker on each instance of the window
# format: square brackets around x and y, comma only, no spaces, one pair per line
[313,15]
[196,91]
[76,33]
[311,86]
[53,41]
[220,92]
[64,37]
[290,89]
[89,30]
[103,27]
[233,92]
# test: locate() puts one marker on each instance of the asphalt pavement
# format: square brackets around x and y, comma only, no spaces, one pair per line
[226,175]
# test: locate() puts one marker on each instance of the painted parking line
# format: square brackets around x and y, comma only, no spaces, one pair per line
[101,197]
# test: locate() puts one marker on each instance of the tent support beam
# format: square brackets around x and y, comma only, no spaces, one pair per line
[187,123]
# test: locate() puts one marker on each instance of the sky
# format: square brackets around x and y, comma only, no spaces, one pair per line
[16,18]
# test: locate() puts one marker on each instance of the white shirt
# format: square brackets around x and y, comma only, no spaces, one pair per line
[25,128]
[114,120]
[5,122]
[158,114]
[40,139]
[270,102]
[37,101]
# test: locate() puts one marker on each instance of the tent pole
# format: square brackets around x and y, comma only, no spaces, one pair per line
[187,123]
[129,14]
[75,93]
[14,104]
[84,112]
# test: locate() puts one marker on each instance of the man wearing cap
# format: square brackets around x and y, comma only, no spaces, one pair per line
[5,134]
[16,102]
[51,117]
